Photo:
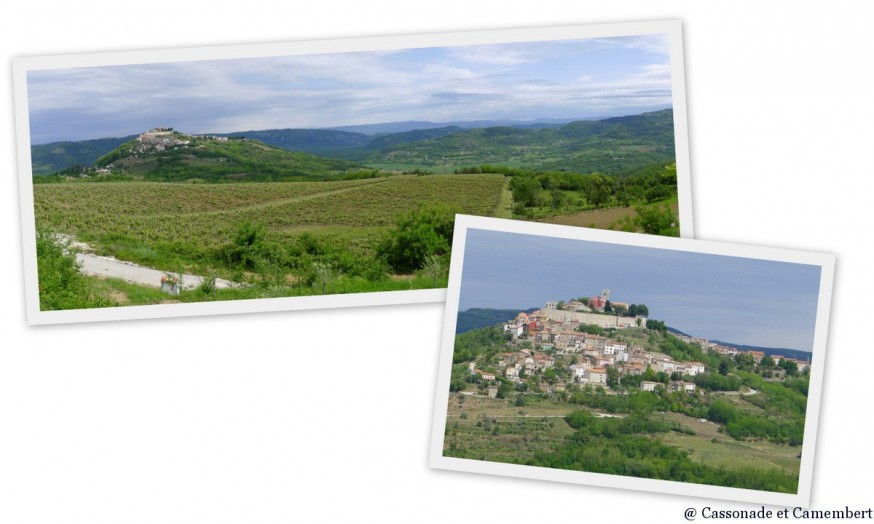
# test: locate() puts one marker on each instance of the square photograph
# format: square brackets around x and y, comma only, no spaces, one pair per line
[632,361]
[328,173]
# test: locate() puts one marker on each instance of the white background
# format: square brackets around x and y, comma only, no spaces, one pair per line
[325,416]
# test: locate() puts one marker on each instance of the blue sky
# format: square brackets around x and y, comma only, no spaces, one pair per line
[734,299]
[521,81]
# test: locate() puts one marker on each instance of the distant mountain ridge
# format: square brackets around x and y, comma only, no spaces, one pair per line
[412,125]
[617,145]
[306,140]
[56,156]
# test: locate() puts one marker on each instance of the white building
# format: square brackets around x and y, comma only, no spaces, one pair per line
[648,385]
[611,347]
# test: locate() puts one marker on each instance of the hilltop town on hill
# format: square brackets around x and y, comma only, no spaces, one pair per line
[596,342]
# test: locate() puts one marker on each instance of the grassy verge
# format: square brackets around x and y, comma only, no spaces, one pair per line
[117,292]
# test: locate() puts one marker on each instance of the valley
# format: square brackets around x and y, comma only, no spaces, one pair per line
[303,212]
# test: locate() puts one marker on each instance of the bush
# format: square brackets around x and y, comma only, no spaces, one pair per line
[61,286]
[658,220]
[424,231]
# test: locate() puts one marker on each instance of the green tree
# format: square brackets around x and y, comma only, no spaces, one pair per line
[612,377]
[789,366]
[658,220]
[558,198]
[424,231]
[526,190]
[597,189]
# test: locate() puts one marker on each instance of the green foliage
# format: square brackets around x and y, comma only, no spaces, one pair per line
[658,220]
[221,161]
[789,366]
[423,232]
[656,325]
[57,156]
[458,378]
[248,250]
[434,267]
[592,329]
[717,382]
[61,286]
[479,343]
[612,146]
[291,224]
[623,447]
[638,310]
[612,377]
[784,412]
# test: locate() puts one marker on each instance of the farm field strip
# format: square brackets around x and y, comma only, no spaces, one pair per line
[151,198]
[356,211]
[707,445]
[598,218]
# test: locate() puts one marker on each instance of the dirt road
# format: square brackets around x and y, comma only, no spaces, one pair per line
[111,267]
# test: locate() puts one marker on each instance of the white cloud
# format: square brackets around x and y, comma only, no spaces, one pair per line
[323,90]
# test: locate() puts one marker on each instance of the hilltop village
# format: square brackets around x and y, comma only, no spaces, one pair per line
[596,342]
[591,384]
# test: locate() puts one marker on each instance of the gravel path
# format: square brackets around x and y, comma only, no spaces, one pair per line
[112,267]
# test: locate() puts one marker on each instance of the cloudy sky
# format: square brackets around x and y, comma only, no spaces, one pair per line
[520,81]
[733,299]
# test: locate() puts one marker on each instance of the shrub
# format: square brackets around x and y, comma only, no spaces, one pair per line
[61,286]
[424,231]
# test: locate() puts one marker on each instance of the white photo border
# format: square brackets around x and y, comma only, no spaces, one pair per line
[21,66]
[463,223]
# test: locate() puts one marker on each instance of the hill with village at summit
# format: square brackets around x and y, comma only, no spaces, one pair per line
[319,211]
[614,145]
[167,155]
[597,385]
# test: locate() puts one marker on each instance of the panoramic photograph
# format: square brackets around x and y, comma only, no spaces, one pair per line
[630,361]
[336,172]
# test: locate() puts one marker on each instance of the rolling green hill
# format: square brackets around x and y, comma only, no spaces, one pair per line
[612,146]
[166,155]
[416,135]
[617,146]
[313,141]
[56,156]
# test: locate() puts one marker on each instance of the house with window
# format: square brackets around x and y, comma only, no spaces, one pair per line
[693,368]
[680,386]
[611,347]
[648,385]
[597,375]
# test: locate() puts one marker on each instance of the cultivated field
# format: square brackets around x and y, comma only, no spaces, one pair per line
[146,222]
[497,430]
[600,218]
